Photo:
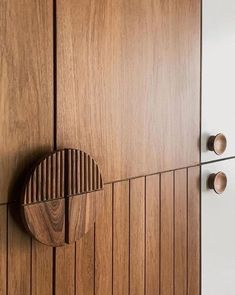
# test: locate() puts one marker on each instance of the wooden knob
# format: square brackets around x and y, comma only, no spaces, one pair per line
[217,143]
[60,199]
[217,182]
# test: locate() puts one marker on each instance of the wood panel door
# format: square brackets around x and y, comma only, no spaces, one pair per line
[128,83]
[119,80]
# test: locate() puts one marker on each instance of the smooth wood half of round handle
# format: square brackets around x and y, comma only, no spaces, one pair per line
[217,143]
[217,182]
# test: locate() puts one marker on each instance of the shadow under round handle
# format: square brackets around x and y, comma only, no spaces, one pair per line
[217,143]
[217,182]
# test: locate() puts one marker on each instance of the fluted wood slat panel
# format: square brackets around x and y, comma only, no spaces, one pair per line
[146,241]
[42,265]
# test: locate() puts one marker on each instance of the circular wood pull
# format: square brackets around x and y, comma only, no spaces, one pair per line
[217,143]
[60,199]
[217,182]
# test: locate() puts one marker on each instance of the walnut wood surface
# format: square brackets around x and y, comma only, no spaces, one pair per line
[59,197]
[129,83]
[46,221]
[128,93]
[100,261]
[26,90]
[81,214]
[153,224]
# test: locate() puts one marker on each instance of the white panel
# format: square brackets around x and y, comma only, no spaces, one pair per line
[218,232]
[218,74]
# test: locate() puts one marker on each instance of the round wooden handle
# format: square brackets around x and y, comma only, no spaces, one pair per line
[217,143]
[61,197]
[217,182]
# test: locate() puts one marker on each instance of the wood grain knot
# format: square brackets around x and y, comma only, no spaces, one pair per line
[59,203]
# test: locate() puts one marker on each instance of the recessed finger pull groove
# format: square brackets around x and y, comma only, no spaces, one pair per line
[60,198]
[217,143]
[217,182]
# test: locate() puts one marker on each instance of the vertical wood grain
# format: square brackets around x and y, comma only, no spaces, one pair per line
[137,236]
[42,269]
[103,244]
[167,234]
[193,231]
[85,264]
[152,234]
[110,55]
[65,261]
[121,236]
[26,109]
[19,257]
[180,224]
[3,249]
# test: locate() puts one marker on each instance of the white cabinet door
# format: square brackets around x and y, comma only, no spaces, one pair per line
[218,232]
[218,74]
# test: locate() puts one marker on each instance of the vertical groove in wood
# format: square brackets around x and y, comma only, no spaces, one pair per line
[39,183]
[19,256]
[121,238]
[62,175]
[48,178]
[137,235]
[69,173]
[65,269]
[193,231]
[53,171]
[78,172]
[44,181]
[74,164]
[167,233]
[93,175]
[42,266]
[180,269]
[85,171]
[58,171]
[85,264]
[34,186]
[152,234]
[103,244]
[3,249]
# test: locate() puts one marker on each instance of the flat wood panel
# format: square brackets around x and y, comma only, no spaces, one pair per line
[193,231]
[137,236]
[3,249]
[125,70]
[121,238]
[85,264]
[180,227]
[42,269]
[19,256]
[26,112]
[103,244]
[65,262]
[167,234]
[218,70]
[152,234]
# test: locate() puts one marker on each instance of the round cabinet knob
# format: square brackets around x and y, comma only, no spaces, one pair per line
[217,182]
[217,144]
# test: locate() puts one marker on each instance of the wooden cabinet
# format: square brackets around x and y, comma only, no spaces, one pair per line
[217,211]
[119,80]
[218,240]
[218,70]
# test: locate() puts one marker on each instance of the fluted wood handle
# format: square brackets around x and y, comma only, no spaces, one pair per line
[60,197]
